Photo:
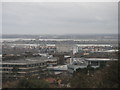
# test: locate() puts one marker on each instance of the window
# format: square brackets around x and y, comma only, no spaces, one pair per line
[94,63]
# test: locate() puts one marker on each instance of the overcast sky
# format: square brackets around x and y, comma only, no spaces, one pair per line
[60,18]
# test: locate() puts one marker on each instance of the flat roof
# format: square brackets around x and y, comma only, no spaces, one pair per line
[103,45]
[107,51]
[100,59]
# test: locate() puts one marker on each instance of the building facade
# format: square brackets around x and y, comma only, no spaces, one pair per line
[15,69]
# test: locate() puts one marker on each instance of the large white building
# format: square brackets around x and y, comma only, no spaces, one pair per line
[66,47]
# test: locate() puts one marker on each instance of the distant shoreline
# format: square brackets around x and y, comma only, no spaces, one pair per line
[64,36]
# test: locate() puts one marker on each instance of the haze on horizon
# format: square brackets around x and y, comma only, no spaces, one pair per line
[60,18]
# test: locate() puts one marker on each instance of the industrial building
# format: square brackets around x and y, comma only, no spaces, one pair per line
[76,63]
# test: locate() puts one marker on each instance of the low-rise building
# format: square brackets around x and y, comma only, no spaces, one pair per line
[14,69]
[76,63]
[97,62]
[52,61]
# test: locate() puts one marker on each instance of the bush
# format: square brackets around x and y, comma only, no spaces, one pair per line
[24,83]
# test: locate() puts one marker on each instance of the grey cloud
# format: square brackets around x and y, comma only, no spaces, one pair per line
[59,18]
